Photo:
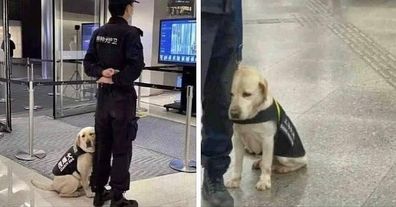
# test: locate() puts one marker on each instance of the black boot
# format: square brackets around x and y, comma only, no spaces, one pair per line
[119,200]
[101,197]
[215,193]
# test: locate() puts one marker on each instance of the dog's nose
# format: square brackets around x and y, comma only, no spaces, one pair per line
[235,113]
[89,144]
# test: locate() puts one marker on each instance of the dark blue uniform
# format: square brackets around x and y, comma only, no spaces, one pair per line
[115,45]
[220,7]
[221,38]
[239,28]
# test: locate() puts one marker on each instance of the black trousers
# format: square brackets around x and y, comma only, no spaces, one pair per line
[219,62]
[116,128]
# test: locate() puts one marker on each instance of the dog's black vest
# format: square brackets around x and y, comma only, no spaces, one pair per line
[68,162]
[287,141]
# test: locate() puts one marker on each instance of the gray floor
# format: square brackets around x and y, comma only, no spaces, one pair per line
[20,97]
[159,135]
[151,152]
[332,65]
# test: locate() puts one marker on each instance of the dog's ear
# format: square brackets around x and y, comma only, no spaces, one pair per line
[263,85]
[76,143]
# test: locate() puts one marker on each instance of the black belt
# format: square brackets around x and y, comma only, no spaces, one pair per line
[112,87]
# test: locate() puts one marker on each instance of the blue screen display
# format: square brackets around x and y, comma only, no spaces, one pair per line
[87,30]
[177,41]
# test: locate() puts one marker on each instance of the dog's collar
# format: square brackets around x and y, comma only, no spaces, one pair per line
[80,151]
[272,113]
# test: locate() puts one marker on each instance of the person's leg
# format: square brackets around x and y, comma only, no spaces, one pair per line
[102,156]
[124,132]
[239,28]
[210,24]
[217,128]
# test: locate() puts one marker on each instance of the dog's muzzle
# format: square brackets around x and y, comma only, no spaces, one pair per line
[89,144]
[235,113]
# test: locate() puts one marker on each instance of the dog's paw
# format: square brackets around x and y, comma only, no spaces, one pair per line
[89,194]
[263,184]
[233,183]
[283,169]
[256,165]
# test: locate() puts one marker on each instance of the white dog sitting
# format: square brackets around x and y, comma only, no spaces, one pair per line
[74,168]
[262,127]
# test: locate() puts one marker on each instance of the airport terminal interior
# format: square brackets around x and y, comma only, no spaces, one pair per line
[50,40]
[330,63]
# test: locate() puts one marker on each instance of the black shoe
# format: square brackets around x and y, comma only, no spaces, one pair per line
[123,202]
[215,193]
[101,198]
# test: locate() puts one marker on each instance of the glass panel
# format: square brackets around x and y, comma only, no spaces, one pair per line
[5,107]
[2,66]
[73,27]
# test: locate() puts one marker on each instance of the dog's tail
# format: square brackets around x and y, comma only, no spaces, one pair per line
[42,186]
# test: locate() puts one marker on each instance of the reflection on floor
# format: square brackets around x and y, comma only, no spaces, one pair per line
[171,190]
[165,97]
[332,65]
[16,191]
[154,105]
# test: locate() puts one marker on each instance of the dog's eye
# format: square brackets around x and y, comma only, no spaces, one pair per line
[246,94]
[83,135]
[91,134]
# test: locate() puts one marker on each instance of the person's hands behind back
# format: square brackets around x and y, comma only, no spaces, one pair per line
[108,73]
[105,80]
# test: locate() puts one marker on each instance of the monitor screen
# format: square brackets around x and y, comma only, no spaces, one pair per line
[87,30]
[177,44]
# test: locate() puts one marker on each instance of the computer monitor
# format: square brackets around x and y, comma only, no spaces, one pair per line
[87,30]
[177,44]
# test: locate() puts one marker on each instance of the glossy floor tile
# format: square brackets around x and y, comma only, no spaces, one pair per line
[154,105]
[16,190]
[160,112]
[348,159]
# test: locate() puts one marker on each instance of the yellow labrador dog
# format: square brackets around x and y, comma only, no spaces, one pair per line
[261,127]
[73,170]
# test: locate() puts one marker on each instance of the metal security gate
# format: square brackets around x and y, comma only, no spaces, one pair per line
[61,21]
[70,35]
[5,126]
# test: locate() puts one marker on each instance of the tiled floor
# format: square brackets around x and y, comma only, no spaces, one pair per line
[176,190]
[159,111]
[331,65]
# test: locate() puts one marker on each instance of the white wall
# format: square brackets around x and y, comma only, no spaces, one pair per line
[146,17]
[143,18]
[16,36]
[160,12]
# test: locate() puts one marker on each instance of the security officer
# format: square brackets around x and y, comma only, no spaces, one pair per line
[221,41]
[115,58]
